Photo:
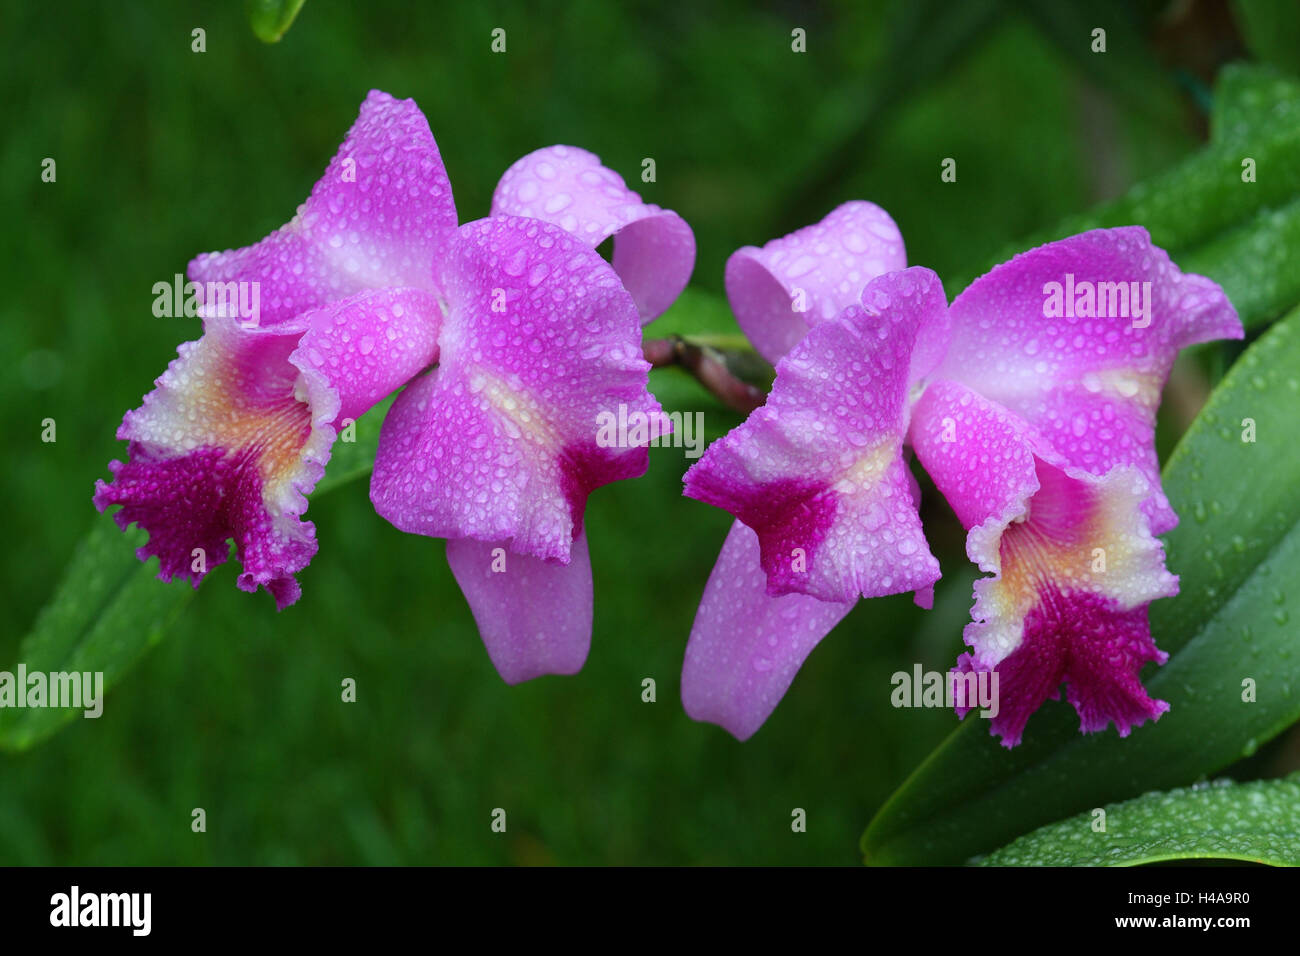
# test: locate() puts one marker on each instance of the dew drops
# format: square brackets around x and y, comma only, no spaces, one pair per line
[800,267]
[557,203]
[528,191]
[516,263]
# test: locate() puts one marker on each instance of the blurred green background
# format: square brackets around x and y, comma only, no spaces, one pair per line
[163,153]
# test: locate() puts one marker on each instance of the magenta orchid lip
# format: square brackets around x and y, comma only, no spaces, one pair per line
[1030,401]
[530,335]
[1038,430]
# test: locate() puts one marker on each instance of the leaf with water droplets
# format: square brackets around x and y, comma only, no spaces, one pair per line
[1232,667]
[1216,214]
[1255,263]
[1257,822]
[1250,99]
[110,608]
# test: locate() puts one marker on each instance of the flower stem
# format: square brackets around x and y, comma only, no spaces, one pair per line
[709,369]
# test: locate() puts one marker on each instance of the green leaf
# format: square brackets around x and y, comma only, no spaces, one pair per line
[1252,100]
[110,607]
[1258,822]
[271,19]
[350,460]
[1255,263]
[1203,200]
[107,611]
[1237,551]
[702,317]
[1196,200]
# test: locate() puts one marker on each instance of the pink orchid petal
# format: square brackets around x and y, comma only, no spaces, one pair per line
[818,471]
[360,349]
[979,455]
[793,283]
[502,441]
[240,427]
[1072,560]
[376,219]
[533,615]
[747,646]
[1089,385]
[222,449]
[654,249]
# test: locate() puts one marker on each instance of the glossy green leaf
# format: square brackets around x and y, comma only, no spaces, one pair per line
[1231,633]
[1196,200]
[271,19]
[701,317]
[1251,101]
[1255,260]
[107,611]
[1256,263]
[1258,822]
[1203,200]
[110,608]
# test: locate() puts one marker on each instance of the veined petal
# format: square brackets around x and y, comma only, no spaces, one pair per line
[376,219]
[818,471]
[654,249]
[502,441]
[1072,559]
[746,646]
[222,449]
[793,283]
[240,427]
[533,615]
[1053,335]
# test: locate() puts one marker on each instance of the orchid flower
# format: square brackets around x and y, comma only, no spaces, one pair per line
[529,332]
[1033,414]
